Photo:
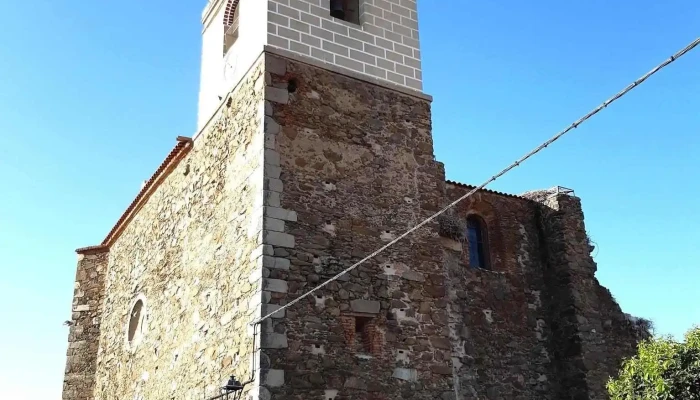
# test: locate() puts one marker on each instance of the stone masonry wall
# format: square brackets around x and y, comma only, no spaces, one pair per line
[84,335]
[537,324]
[498,318]
[303,173]
[193,255]
[357,167]
[592,335]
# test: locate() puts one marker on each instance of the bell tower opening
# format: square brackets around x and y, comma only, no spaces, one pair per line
[233,36]
[231,25]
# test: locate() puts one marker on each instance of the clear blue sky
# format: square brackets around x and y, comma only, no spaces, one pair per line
[93,94]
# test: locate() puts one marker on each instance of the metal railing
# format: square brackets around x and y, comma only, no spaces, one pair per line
[557,190]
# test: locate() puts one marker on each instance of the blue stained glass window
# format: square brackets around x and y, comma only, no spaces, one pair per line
[476,239]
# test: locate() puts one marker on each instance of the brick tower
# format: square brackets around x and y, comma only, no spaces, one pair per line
[314,148]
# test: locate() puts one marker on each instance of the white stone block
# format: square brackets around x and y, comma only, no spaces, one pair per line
[387,236]
[273,377]
[402,356]
[317,349]
[255,275]
[405,374]
[488,315]
[330,394]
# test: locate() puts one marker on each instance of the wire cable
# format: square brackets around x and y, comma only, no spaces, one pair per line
[515,164]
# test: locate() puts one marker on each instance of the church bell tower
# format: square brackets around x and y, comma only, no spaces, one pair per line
[376,39]
[313,149]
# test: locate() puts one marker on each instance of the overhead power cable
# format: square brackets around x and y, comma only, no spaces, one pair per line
[515,164]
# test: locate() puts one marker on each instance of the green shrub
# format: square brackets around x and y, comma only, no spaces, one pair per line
[662,369]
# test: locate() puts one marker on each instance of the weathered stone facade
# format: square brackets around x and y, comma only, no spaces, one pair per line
[358,169]
[303,172]
[590,334]
[193,252]
[86,316]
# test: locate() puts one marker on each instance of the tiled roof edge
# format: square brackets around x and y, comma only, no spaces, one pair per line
[183,146]
[92,249]
[464,185]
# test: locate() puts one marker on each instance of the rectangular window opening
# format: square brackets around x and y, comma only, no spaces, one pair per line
[347,10]
[364,329]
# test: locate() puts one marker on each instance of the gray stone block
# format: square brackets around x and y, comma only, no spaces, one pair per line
[272,199]
[272,171]
[270,308]
[275,285]
[278,239]
[270,141]
[355,383]
[273,377]
[365,306]
[275,65]
[271,126]
[276,263]
[274,341]
[274,224]
[274,184]
[276,95]
[281,213]
[405,374]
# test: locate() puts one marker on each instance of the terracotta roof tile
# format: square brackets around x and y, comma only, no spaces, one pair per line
[183,146]
[181,149]
[92,249]
[464,185]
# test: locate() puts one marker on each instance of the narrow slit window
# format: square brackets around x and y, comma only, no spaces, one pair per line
[477,241]
[347,10]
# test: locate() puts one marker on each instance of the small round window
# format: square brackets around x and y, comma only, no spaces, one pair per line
[136,322]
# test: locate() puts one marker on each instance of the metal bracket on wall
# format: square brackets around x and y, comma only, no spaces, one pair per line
[229,392]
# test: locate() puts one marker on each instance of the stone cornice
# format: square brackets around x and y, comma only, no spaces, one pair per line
[210,11]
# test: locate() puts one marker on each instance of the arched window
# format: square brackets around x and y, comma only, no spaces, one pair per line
[135,321]
[230,24]
[477,239]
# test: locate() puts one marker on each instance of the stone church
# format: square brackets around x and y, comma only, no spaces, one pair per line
[314,149]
